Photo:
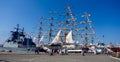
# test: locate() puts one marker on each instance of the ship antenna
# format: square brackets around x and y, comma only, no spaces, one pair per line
[17,29]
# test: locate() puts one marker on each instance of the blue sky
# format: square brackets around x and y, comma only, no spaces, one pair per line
[105,15]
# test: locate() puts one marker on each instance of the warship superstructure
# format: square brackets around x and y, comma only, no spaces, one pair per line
[19,39]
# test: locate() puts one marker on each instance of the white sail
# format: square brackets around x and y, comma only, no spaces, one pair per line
[41,39]
[69,38]
[57,38]
[69,41]
[39,43]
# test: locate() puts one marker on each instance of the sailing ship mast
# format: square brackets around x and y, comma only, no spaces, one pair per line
[47,22]
[88,29]
[69,24]
[51,19]
[39,34]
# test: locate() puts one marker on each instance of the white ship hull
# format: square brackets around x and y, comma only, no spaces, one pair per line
[10,44]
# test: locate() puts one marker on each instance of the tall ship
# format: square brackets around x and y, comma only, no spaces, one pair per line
[66,30]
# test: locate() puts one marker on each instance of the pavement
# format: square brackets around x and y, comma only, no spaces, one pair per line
[56,58]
